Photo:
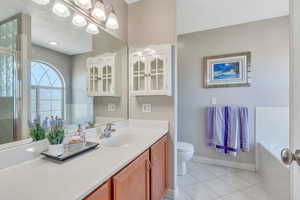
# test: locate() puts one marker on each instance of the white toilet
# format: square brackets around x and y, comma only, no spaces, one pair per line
[185,153]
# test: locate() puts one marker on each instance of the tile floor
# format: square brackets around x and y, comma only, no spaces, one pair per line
[210,182]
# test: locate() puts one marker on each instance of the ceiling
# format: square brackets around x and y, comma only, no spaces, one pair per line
[47,27]
[199,15]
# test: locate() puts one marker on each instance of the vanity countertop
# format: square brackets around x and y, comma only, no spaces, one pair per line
[41,179]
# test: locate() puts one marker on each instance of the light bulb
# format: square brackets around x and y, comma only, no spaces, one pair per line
[112,21]
[41,2]
[92,29]
[79,20]
[99,11]
[61,10]
[85,4]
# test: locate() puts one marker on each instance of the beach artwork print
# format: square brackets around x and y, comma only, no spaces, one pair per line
[223,71]
[231,70]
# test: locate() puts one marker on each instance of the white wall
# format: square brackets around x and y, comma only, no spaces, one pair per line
[199,15]
[268,40]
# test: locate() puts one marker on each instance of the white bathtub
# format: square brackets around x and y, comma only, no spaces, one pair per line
[274,173]
[272,135]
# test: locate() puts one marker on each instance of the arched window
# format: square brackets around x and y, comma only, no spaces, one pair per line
[47,92]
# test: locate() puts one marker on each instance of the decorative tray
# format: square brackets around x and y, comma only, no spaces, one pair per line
[71,151]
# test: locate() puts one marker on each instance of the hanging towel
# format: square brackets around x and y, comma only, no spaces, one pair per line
[244,129]
[227,129]
[210,121]
[233,131]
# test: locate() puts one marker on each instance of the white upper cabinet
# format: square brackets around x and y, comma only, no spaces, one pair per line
[150,71]
[101,75]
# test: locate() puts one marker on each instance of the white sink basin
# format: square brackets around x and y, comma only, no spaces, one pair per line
[123,140]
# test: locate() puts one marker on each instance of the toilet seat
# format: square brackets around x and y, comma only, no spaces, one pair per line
[184,147]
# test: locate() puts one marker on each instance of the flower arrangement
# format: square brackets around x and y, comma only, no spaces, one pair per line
[37,132]
[56,135]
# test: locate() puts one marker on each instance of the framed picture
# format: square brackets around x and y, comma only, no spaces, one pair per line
[230,70]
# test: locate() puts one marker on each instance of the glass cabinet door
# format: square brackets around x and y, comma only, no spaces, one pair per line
[139,75]
[157,71]
[93,79]
[107,79]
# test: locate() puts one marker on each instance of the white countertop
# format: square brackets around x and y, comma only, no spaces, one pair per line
[41,179]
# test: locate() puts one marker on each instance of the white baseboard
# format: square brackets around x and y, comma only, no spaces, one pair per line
[211,161]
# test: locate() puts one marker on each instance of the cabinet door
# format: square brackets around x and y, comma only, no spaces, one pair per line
[93,78]
[104,192]
[138,73]
[133,182]
[157,71]
[159,169]
[107,79]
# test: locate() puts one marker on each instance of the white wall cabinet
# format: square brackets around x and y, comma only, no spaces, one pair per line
[101,75]
[150,71]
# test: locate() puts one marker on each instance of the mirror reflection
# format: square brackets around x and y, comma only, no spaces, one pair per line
[53,72]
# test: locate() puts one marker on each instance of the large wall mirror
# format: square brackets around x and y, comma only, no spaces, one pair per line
[53,70]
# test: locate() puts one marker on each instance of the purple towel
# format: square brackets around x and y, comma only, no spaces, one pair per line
[244,129]
[227,129]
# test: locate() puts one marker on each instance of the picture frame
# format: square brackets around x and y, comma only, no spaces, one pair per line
[228,70]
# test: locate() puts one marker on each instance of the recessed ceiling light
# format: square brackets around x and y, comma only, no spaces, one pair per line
[53,43]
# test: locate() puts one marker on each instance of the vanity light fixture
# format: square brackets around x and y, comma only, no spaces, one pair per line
[112,21]
[92,12]
[92,29]
[79,20]
[41,2]
[99,11]
[85,4]
[61,9]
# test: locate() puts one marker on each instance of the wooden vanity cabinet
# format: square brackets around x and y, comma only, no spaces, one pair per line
[104,192]
[133,182]
[144,178]
[158,157]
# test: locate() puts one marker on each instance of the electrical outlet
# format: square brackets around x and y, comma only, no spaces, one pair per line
[111,107]
[147,108]
[213,100]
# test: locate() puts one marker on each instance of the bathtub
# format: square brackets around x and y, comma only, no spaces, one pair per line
[272,135]
[275,175]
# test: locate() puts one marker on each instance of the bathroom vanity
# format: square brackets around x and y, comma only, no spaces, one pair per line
[68,74]
[143,178]
[131,165]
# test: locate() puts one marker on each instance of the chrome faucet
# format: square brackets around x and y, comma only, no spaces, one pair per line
[90,125]
[108,130]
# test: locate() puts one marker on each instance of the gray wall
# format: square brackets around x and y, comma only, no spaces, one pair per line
[268,40]
[154,22]
[63,63]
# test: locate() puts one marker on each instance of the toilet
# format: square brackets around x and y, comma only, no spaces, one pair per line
[185,153]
